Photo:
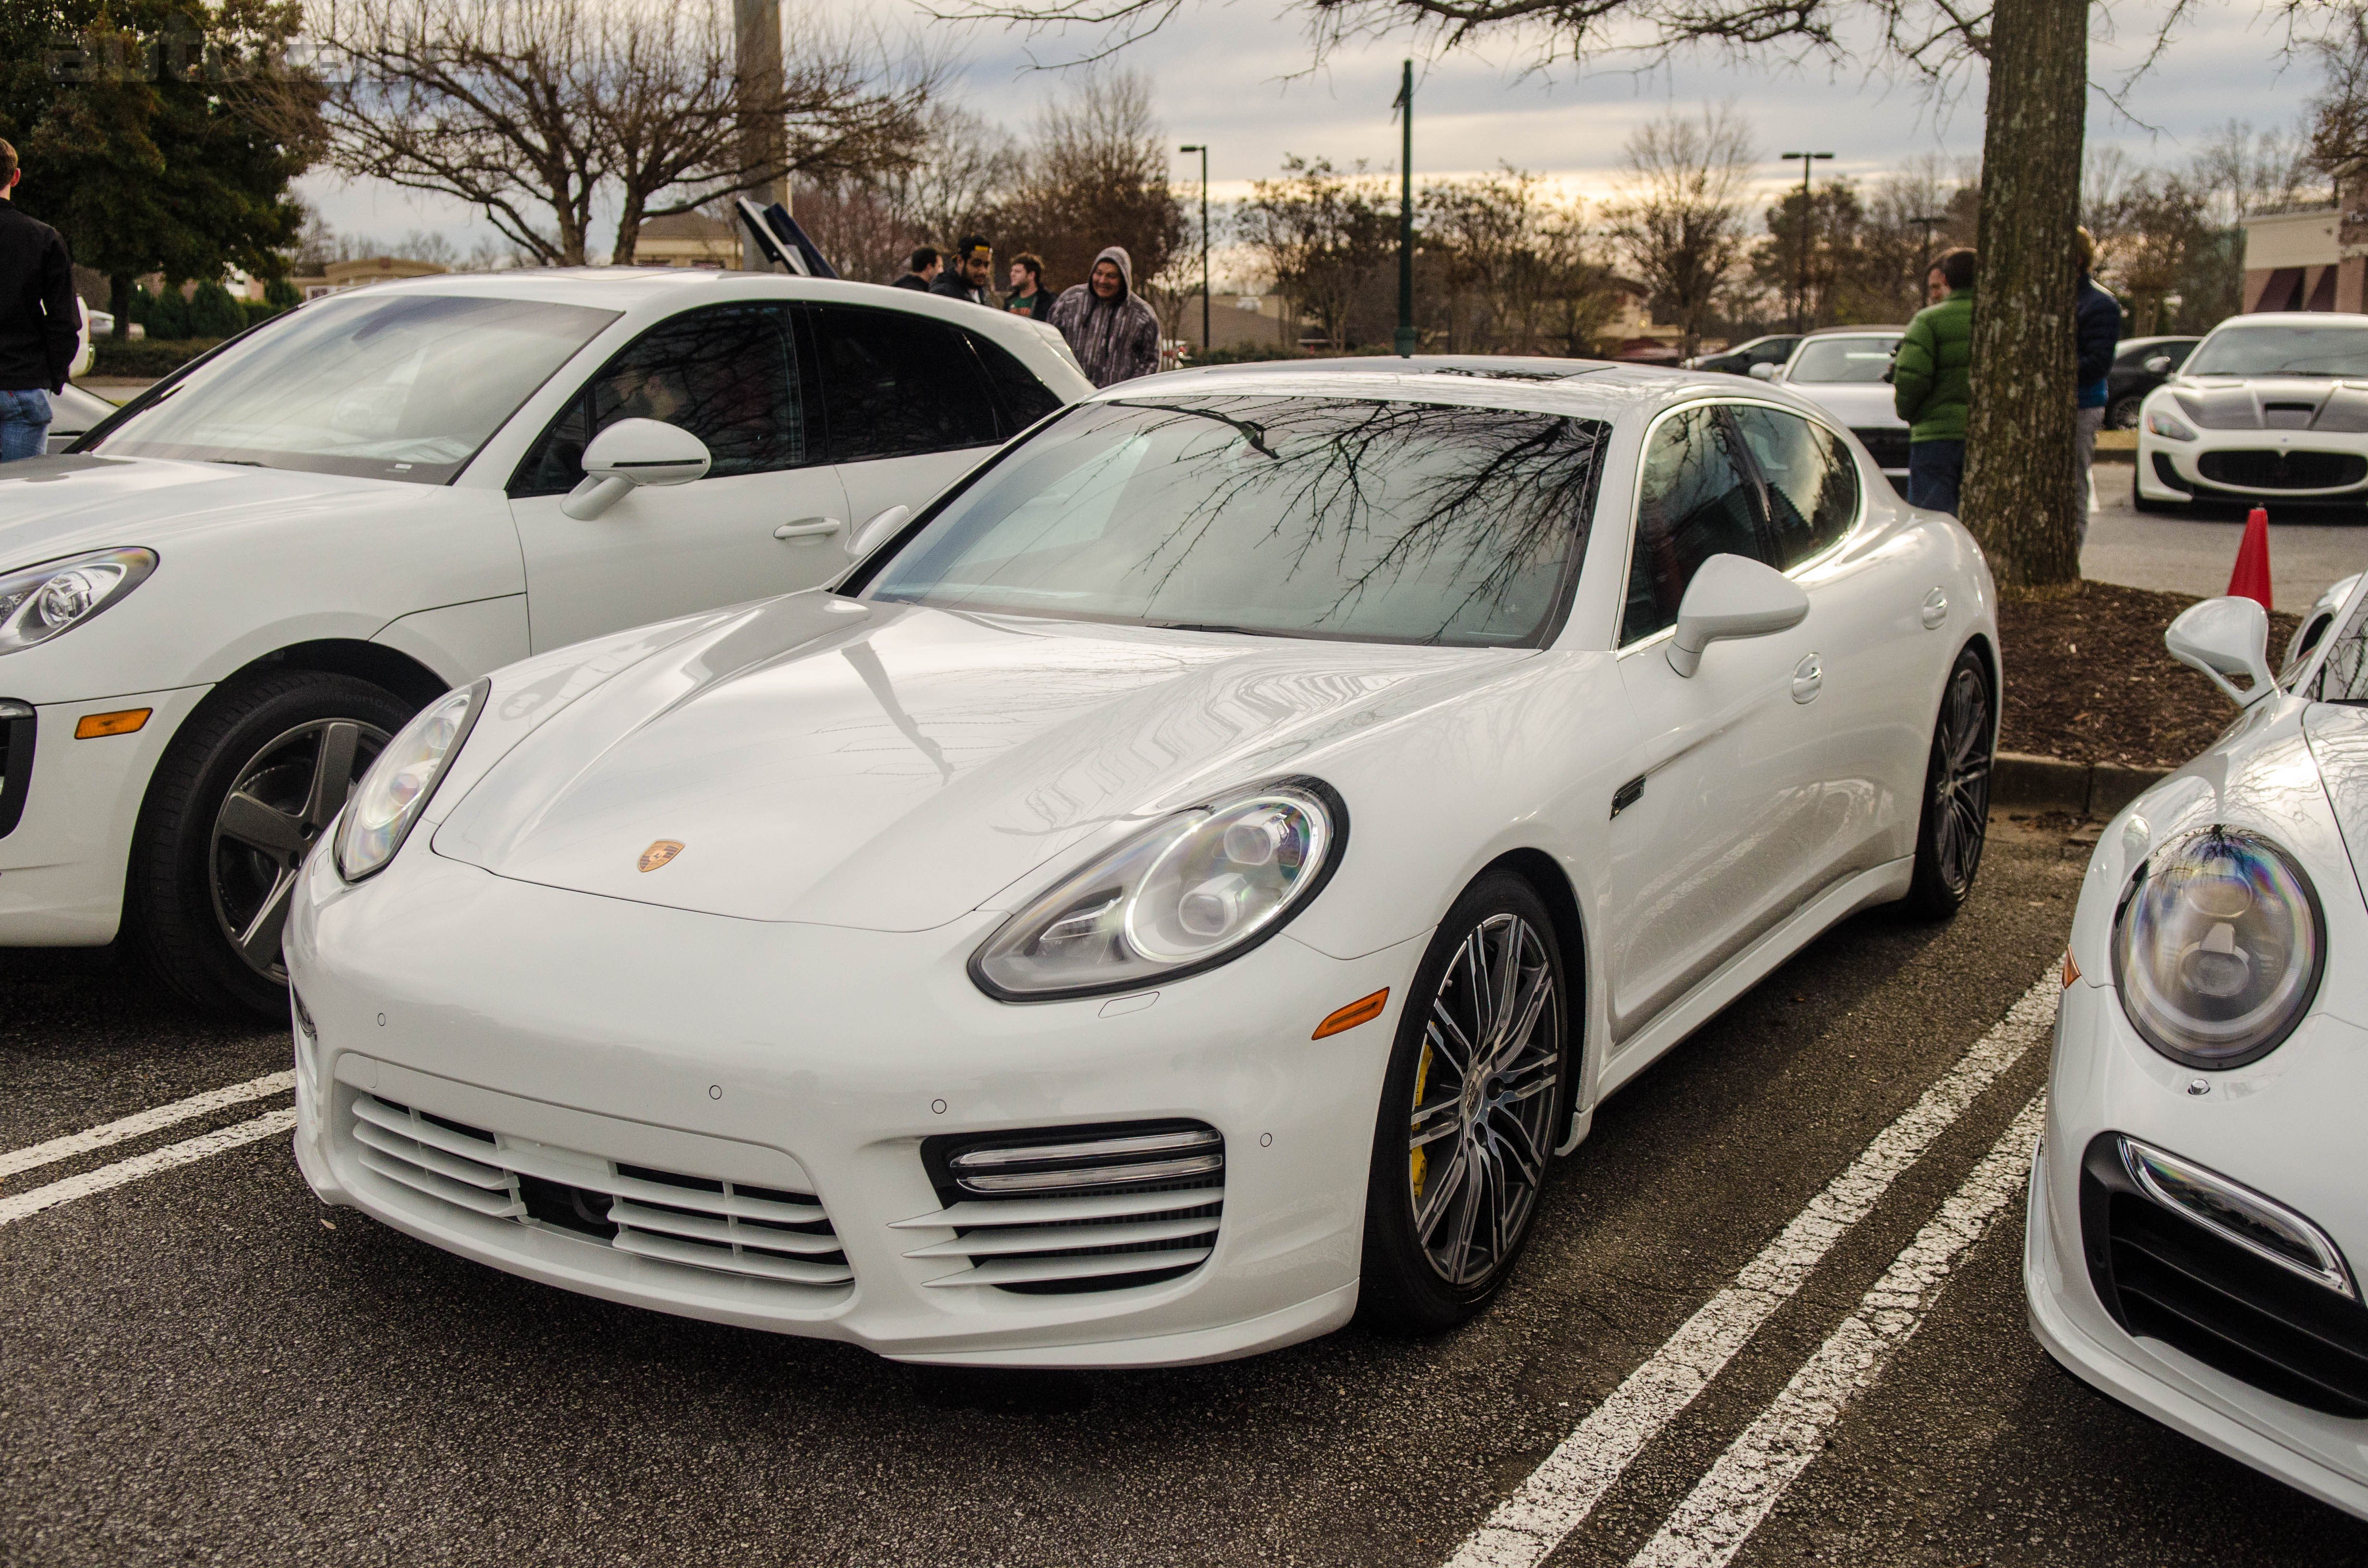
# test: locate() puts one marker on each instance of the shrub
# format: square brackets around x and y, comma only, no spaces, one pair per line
[165,315]
[146,360]
[213,313]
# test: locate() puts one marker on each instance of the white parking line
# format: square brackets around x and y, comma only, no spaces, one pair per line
[184,1152]
[144,1122]
[1562,1492]
[1710,1527]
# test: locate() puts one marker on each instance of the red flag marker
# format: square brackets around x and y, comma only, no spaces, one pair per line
[2250,580]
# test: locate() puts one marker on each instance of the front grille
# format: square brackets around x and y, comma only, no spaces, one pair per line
[1887,445]
[1060,1211]
[16,726]
[2252,469]
[697,1221]
[2165,1276]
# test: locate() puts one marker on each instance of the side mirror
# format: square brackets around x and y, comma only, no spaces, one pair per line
[2158,366]
[1763,372]
[632,452]
[2224,638]
[877,530]
[1731,596]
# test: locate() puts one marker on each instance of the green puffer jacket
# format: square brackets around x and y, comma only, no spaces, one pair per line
[1932,380]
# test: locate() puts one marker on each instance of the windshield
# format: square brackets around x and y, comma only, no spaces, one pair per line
[1843,360]
[1393,522]
[2282,351]
[383,384]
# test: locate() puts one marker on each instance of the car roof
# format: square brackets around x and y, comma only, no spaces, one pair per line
[2293,318]
[2153,342]
[1868,331]
[1600,388]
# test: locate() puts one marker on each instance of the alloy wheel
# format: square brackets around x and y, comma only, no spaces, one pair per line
[283,798]
[1960,780]
[1484,1097]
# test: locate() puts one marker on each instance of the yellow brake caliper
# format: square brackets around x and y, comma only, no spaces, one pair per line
[1418,1162]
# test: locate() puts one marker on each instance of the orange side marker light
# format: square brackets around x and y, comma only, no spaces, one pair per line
[2071,969]
[1363,1010]
[90,726]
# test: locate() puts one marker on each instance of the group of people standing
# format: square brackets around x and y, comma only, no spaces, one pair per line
[1106,325]
[1932,378]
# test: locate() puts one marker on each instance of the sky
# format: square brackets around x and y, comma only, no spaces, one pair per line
[1238,76]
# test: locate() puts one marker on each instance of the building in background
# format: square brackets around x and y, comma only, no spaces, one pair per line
[687,239]
[340,276]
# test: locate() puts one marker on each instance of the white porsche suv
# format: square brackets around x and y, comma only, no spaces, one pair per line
[217,607]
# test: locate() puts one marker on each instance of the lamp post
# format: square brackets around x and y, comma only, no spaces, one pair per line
[1407,339]
[1801,274]
[1207,346]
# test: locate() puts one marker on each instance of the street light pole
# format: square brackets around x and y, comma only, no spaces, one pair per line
[1405,334]
[1801,274]
[1207,345]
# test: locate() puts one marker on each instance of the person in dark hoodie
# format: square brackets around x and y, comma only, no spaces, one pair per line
[41,329]
[2097,331]
[1113,334]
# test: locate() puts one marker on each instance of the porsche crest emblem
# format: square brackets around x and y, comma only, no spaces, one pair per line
[658,854]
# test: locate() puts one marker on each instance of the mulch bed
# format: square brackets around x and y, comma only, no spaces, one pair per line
[2087,678]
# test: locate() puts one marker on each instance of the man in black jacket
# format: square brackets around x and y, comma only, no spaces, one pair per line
[2097,331]
[41,329]
[966,277]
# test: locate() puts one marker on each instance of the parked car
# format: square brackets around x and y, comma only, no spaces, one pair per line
[218,605]
[1773,349]
[74,414]
[2140,364]
[2267,407]
[1847,372]
[2196,1219]
[1178,890]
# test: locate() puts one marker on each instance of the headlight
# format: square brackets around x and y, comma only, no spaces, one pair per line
[1191,892]
[2217,947]
[397,787]
[41,601]
[2169,425]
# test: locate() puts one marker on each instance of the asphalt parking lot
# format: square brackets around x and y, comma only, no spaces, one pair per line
[206,1367]
[2192,552]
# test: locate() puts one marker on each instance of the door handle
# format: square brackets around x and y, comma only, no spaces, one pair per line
[1936,609]
[1809,678]
[806,529]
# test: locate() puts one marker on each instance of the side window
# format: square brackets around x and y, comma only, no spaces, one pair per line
[1697,501]
[1812,484]
[896,385]
[728,374]
[1025,399]
[2344,677]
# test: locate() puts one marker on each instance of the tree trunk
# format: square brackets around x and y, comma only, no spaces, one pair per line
[118,304]
[2018,497]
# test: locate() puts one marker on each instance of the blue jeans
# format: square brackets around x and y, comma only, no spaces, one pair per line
[24,424]
[1935,469]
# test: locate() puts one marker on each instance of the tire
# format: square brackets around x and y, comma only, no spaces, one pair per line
[2124,413]
[2139,503]
[1428,1265]
[205,873]
[1955,817]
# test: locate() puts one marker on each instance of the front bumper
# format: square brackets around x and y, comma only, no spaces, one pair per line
[800,1059]
[62,866]
[2253,466]
[2280,1126]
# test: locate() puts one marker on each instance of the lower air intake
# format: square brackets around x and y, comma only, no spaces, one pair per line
[1060,1211]
[699,1222]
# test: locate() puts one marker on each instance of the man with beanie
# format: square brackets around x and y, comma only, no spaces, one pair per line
[2097,329]
[1113,334]
[967,278]
[41,328]
[1932,383]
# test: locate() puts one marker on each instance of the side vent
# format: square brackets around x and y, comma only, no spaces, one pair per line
[1059,1211]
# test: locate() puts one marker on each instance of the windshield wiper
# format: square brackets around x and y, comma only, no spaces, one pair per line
[1209,626]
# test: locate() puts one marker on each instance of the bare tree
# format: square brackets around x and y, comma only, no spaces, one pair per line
[1322,234]
[1680,219]
[535,111]
[1520,266]
[1093,172]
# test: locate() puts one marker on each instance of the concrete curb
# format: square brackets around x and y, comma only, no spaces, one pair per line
[2092,790]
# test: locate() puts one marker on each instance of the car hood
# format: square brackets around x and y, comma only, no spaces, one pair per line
[892,768]
[2274,402]
[1862,405]
[59,505]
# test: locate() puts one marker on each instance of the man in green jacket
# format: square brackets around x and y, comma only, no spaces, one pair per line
[1932,382]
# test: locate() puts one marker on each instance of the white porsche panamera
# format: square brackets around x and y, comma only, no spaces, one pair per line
[221,603]
[1183,884]
[2196,1219]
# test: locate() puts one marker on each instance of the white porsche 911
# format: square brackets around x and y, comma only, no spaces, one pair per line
[2268,407]
[1188,879]
[2196,1216]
